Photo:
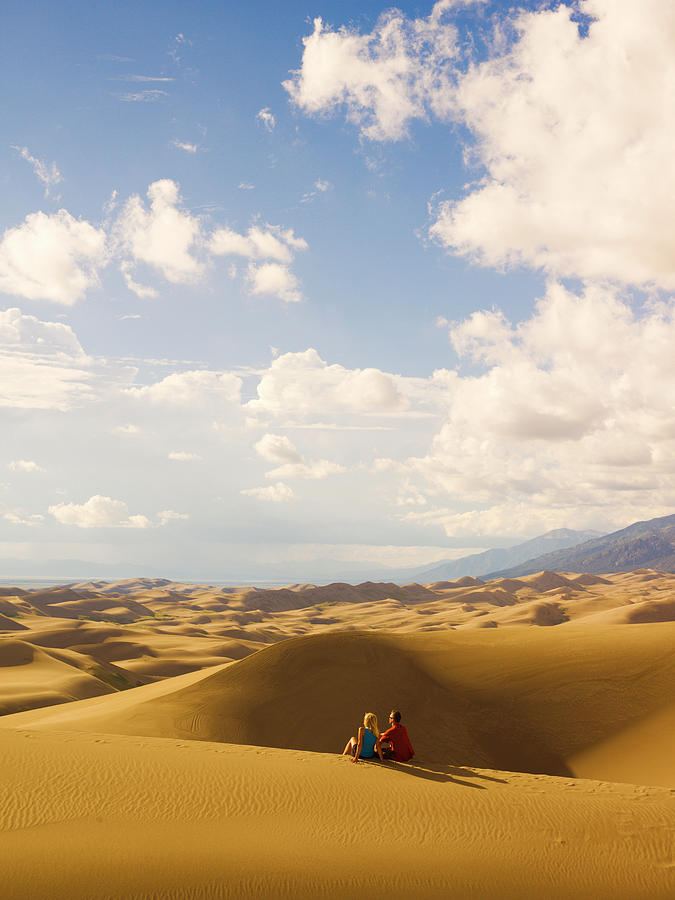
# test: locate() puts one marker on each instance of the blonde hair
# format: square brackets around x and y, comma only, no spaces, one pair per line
[370,721]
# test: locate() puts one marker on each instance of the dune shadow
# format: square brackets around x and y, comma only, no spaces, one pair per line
[439,773]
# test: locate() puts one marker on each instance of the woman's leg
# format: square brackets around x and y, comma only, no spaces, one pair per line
[351,746]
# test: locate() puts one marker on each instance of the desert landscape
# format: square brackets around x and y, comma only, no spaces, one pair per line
[175,740]
[337,381]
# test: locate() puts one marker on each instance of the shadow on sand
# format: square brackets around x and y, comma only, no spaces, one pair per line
[438,772]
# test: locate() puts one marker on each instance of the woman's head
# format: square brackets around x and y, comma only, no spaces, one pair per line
[370,721]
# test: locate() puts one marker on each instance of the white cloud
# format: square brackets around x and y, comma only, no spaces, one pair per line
[572,149]
[98,512]
[260,242]
[275,493]
[24,465]
[127,430]
[320,187]
[184,145]
[266,119]
[576,147]
[320,468]
[42,365]
[48,174]
[272,243]
[399,72]
[19,518]
[51,257]
[302,383]
[168,515]
[274,279]
[144,78]
[193,388]
[279,449]
[143,291]
[183,456]
[28,334]
[164,236]
[572,417]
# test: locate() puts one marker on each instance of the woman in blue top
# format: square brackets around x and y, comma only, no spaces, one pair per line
[367,744]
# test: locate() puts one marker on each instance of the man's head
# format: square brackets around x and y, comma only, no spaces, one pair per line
[395,716]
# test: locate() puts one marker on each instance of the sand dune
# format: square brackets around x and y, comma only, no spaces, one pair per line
[157,629]
[528,702]
[163,818]
[32,677]
[221,775]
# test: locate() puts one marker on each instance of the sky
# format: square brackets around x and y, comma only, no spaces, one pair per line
[293,284]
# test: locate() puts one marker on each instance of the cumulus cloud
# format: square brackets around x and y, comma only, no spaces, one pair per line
[98,512]
[42,364]
[193,388]
[279,449]
[275,493]
[48,174]
[29,334]
[24,465]
[270,249]
[401,71]
[51,257]
[303,383]
[576,148]
[276,280]
[573,410]
[59,258]
[163,236]
[571,147]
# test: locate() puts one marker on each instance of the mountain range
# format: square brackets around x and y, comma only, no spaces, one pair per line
[501,557]
[643,545]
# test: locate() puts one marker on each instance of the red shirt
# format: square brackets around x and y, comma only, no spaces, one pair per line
[397,735]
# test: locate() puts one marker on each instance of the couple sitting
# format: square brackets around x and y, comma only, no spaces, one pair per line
[394,743]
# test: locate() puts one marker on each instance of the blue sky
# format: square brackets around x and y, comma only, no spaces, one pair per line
[283,283]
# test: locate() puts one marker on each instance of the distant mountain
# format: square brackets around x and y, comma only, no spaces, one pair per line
[482,563]
[644,545]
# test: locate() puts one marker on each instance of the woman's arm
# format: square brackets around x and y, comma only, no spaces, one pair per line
[359,744]
[379,749]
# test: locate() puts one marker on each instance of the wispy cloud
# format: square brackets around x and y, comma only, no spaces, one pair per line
[111,57]
[183,145]
[266,119]
[48,174]
[149,96]
[143,78]
[320,187]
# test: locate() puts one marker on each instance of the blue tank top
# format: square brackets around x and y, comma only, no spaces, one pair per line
[368,745]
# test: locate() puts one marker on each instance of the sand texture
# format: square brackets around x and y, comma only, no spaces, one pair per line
[544,743]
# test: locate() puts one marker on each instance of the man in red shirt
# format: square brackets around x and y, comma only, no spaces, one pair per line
[396,737]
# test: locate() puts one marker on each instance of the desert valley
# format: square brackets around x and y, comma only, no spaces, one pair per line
[176,740]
